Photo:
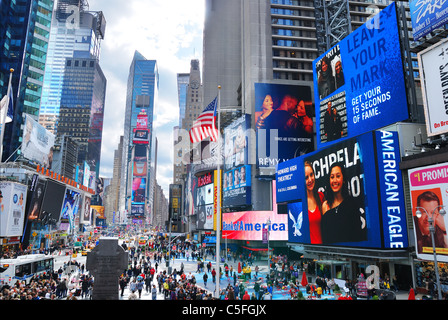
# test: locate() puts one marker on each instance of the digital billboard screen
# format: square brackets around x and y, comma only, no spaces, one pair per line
[52,203]
[359,83]
[348,194]
[283,122]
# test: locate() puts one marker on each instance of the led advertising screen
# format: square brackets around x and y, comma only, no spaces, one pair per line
[52,203]
[283,122]
[70,206]
[433,64]
[37,196]
[236,186]
[348,194]
[427,15]
[12,208]
[359,83]
[429,194]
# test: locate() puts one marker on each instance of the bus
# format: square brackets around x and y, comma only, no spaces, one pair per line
[23,268]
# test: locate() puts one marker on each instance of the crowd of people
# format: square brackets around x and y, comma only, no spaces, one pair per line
[51,286]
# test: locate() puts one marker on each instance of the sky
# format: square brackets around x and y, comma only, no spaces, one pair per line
[169,32]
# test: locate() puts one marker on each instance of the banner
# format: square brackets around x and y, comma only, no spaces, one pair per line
[37,143]
[433,64]
[427,16]
[12,208]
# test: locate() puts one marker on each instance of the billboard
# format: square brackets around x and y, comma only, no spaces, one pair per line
[236,189]
[348,194]
[12,208]
[359,83]
[86,216]
[37,143]
[236,143]
[37,195]
[70,206]
[429,193]
[204,201]
[249,225]
[433,64]
[283,122]
[237,186]
[52,202]
[427,15]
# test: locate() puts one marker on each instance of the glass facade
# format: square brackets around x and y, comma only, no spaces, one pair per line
[79,39]
[82,107]
[24,33]
[142,93]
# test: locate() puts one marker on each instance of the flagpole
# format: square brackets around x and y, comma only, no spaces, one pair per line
[218,205]
[4,113]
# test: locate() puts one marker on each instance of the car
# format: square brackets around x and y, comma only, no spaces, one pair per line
[84,252]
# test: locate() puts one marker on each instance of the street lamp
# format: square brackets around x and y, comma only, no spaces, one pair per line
[442,211]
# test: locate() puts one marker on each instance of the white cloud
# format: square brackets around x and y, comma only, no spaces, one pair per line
[169,32]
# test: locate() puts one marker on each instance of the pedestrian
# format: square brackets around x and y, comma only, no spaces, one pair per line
[140,284]
[154,292]
[246,296]
[205,277]
[214,275]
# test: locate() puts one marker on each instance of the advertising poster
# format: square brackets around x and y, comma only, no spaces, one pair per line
[429,194]
[70,206]
[12,208]
[86,217]
[236,143]
[204,201]
[37,143]
[52,203]
[236,187]
[138,190]
[359,83]
[433,64]
[283,122]
[37,196]
[427,15]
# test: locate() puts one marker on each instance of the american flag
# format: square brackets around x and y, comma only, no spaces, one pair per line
[204,126]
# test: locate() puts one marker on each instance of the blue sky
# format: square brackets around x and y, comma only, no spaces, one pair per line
[167,31]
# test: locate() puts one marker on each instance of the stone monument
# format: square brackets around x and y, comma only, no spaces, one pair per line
[106,262]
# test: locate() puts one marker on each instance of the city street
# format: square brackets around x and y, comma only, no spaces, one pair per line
[191,267]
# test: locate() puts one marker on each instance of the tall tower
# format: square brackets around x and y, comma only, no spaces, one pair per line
[141,98]
[75,33]
[24,32]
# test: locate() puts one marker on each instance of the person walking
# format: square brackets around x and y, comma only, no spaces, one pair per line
[205,277]
[154,292]
[140,285]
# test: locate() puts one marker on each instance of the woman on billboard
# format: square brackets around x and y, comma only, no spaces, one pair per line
[343,217]
[315,200]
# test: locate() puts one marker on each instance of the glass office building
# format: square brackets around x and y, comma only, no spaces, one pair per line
[24,36]
[82,108]
[142,94]
[75,33]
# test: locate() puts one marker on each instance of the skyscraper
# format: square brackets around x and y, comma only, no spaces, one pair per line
[24,36]
[141,102]
[82,103]
[75,33]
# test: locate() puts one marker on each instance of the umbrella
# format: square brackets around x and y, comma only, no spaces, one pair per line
[304,281]
[411,294]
